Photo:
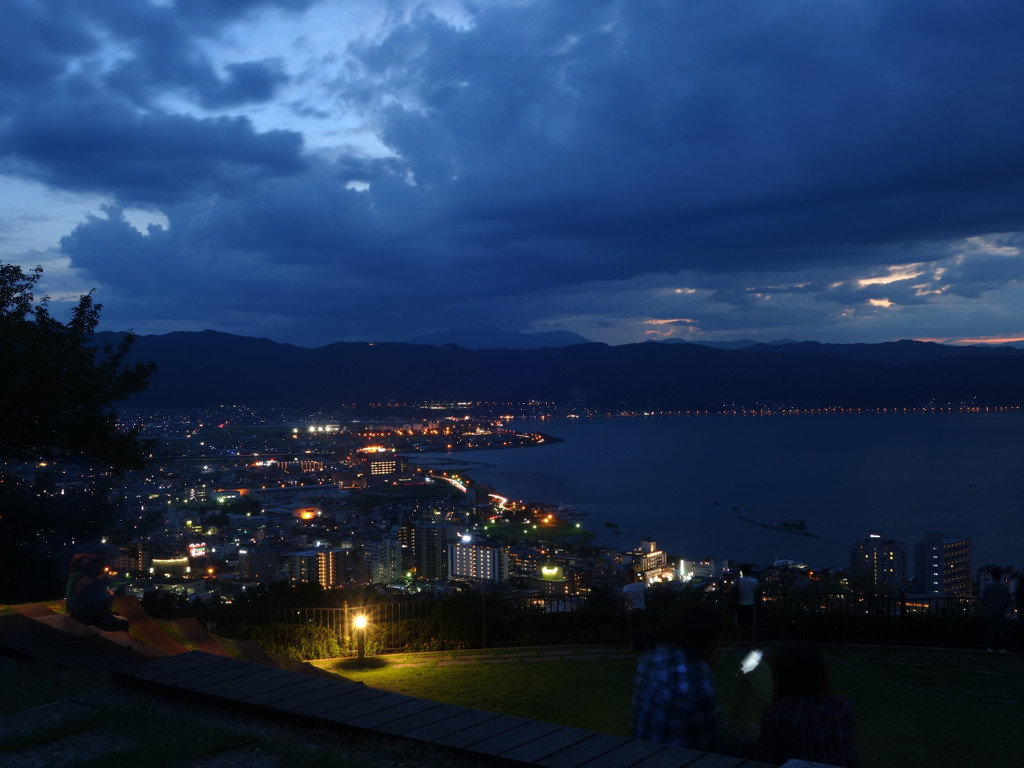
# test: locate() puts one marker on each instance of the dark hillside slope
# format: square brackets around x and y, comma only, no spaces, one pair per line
[209,368]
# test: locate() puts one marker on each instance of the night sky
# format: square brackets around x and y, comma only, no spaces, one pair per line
[830,170]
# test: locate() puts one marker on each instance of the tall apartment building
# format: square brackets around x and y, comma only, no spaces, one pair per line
[883,562]
[477,560]
[431,550]
[956,554]
[383,560]
[943,565]
[258,565]
[325,567]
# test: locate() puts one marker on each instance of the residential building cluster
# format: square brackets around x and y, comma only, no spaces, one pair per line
[234,499]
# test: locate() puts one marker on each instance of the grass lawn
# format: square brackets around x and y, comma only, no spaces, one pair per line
[915,707]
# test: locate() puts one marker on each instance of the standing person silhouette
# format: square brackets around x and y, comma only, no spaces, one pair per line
[636,613]
[996,600]
[746,600]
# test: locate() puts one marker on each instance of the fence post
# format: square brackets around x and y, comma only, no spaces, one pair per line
[902,631]
[483,621]
[344,620]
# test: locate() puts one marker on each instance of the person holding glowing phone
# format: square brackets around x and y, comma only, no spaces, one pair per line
[805,721]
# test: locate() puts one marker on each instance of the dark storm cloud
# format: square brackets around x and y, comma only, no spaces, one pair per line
[204,13]
[157,49]
[36,42]
[538,146]
[699,136]
[163,55]
[145,159]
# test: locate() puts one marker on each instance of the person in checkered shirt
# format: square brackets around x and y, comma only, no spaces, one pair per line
[674,698]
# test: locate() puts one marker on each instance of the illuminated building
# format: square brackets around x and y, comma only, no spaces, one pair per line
[700,570]
[168,567]
[303,466]
[477,561]
[550,579]
[306,512]
[943,565]
[651,561]
[383,560]
[325,567]
[882,561]
[956,555]
[386,468]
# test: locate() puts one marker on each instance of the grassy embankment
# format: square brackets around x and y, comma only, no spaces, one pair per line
[915,707]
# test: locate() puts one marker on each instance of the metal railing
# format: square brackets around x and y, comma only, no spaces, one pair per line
[491,622]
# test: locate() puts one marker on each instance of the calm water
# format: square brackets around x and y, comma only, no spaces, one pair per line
[961,474]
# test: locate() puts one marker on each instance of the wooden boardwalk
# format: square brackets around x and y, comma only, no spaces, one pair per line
[337,703]
[89,651]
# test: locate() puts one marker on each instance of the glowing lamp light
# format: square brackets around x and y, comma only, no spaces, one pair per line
[359,622]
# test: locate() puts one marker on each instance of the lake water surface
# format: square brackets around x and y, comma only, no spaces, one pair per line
[684,481]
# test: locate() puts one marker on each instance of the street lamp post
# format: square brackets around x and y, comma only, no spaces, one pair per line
[360,625]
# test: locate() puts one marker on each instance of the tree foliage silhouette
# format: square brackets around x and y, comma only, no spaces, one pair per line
[61,449]
[59,385]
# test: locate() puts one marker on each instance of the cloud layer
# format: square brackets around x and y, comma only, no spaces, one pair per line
[829,170]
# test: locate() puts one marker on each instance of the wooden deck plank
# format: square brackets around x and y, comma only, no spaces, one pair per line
[468,736]
[509,739]
[346,708]
[401,711]
[164,663]
[670,757]
[292,685]
[314,694]
[258,681]
[630,753]
[225,676]
[533,751]
[171,673]
[714,760]
[421,719]
[441,728]
[337,701]
[210,676]
[31,639]
[329,704]
[224,684]
[583,751]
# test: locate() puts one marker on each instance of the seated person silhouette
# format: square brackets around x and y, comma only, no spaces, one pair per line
[805,721]
[88,599]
